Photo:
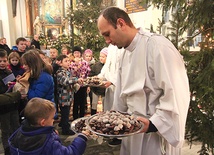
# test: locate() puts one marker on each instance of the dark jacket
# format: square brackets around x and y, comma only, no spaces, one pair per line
[20,53]
[6,48]
[8,106]
[17,70]
[35,43]
[42,87]
[95,70]
[28,140]
[9,98]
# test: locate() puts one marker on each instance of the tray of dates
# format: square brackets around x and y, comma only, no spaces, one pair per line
[94,82]
[114,124]
[79,125]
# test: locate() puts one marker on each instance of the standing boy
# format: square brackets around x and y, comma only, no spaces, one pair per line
[37,135]
[66,87]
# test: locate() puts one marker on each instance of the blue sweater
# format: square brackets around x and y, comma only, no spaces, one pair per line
[43,87]
[28,140]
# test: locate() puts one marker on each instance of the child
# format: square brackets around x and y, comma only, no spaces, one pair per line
[88,56]
[41,80]
[21,46]
[95,70]
[53,54]
[66,87]
[15,65]
[9,118]
[37,134]
[18,71]
[79,68]
[65,51]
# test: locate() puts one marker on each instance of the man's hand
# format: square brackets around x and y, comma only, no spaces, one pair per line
[80,81]
[107,84]
[145,121]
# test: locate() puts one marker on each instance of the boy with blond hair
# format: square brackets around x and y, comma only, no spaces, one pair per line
[37,134]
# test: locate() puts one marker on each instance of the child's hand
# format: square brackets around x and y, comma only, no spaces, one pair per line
[18,77]
[80,81]
[56,131]
[86,132]
[23,93]
[11,83]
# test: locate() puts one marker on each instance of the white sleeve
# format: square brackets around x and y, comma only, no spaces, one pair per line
[170,76]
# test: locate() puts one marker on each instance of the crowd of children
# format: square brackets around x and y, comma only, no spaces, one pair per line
[37,87]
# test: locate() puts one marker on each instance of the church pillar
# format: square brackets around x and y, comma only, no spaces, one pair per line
[29,18]
[6,16]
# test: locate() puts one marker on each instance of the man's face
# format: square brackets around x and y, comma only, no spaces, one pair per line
[3,62]
[53,53]
[36,37]
[111,35]
[21,46]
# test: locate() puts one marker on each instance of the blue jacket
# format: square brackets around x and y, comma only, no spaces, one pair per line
[43,87]
[28,140]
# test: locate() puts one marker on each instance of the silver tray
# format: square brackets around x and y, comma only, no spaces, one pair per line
[112,136]
[100,85]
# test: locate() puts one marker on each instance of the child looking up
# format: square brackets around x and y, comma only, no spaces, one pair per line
[37,134]
[66,87]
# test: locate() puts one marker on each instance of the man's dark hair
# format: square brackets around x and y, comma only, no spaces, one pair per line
[3,53]
[111,14]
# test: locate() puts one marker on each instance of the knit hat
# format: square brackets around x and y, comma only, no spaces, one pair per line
[88,51]
[104,51]
[77,48]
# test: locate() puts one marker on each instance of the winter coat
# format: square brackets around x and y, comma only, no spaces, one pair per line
[28,140]
[8,106]
[17,70]
[65,86]
[35,43]
[42,87]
